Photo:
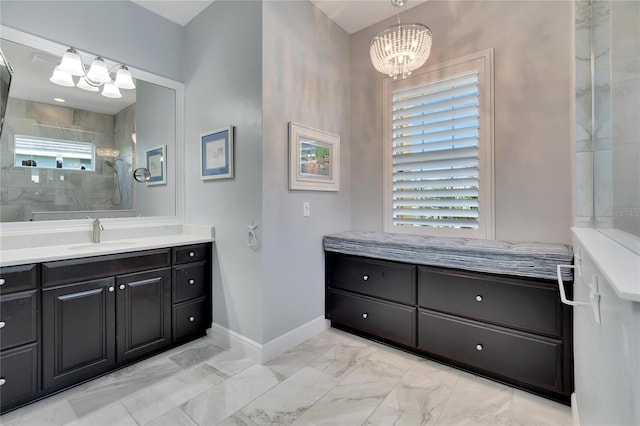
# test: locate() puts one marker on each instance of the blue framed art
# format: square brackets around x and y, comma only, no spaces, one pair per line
[216,154]
[157,165]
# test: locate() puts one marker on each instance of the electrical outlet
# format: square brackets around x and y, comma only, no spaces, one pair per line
[306,209]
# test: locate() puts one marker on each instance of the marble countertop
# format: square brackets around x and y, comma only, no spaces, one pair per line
[43,247]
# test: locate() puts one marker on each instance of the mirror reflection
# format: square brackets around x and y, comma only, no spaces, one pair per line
[67,152]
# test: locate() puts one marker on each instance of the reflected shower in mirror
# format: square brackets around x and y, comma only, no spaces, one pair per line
[65,152]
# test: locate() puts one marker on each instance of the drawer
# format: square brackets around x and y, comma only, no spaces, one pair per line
[520,356]
[18,318]
[18,278]
[89,268]
[387,320]
[378,278]
[18,375]
[189,281]
[524,304]
[192,253]
[190,318]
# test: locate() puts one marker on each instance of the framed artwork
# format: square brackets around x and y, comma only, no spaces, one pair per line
[157,165]
[216,154]
[314,159]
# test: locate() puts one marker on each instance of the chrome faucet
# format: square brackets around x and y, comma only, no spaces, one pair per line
[97,227]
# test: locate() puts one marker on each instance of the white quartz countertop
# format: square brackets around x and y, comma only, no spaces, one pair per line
[43,249]
[619,265]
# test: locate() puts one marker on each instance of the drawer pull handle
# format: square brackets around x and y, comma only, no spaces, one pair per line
[191,282]
[2,324]
[122,286]
[478,347]
[478,298]
[365,315]
[3,381]
[365,277]
[191,254]
[2,281]
[192,319]
[111,289]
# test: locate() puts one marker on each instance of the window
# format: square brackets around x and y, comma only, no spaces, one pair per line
[439,150]
[32,151]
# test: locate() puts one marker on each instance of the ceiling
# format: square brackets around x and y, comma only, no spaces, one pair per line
[351,15]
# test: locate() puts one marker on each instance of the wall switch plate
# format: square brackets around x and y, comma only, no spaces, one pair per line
[306,209]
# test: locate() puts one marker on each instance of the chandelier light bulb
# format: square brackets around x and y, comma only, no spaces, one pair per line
[110,90]
[72,63]
[124,79]
[61,78]
[85,85]
[98,71]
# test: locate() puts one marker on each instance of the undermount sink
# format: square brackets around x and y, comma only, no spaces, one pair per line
[106,245]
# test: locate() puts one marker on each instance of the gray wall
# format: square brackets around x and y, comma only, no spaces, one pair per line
[223,86]
[117,30]
[305,65]
[533,152]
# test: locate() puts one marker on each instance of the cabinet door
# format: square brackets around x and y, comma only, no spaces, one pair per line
[78,332]
[143,313]
[18,319]
[18,375]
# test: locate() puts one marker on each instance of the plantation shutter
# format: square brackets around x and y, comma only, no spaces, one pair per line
[435,154]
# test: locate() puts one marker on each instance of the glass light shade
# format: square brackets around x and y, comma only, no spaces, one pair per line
[61,78]
[124,79]
[98,71]
[110,90]
[107,152]
[84,85]
[72,63]
[401,49]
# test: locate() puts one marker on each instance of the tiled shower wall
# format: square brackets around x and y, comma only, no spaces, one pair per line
[25,190]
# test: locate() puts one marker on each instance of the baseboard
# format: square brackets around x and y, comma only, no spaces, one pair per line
[283,343]
[264,353]
[229,339]
[574,410]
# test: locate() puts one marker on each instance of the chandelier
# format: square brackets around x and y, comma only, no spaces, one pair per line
[98,75]
[401,48]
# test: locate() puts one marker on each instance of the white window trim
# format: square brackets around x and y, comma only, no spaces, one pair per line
[482,62]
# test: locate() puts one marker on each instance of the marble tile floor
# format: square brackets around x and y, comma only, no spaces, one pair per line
[333,378]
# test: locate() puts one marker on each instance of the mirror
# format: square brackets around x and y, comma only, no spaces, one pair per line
[75,156]
[141,174]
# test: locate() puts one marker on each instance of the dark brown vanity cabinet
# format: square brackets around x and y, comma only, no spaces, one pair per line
[19,334]
[191,291]
[89,326]
[67,321]
[511,329]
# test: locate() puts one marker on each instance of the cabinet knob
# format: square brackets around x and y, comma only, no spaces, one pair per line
[365,315]
[192,282]
[365,277]
[111,288]
[192,319]
[478,347]
[2,324]
[3,381]
[2,281]
[478,298]
[191,254]
[122,286]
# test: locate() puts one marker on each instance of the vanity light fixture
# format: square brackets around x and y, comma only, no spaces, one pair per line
[98,75]
[402,48]
[107,152]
